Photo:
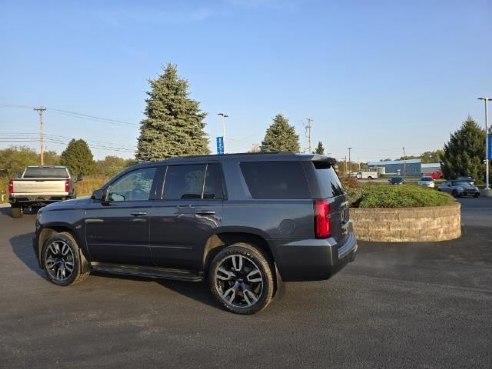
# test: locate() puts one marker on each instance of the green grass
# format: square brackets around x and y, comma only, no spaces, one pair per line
[379,195]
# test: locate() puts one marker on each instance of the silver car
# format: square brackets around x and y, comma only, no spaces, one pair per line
[426,181]
[459,188]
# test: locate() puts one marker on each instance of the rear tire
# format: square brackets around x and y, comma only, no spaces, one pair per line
[62,260]
[16,212]
[241,279]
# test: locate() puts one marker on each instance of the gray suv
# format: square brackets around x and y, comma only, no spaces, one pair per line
[244,222]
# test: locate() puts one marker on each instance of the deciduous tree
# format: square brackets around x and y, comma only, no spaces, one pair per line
[78,158]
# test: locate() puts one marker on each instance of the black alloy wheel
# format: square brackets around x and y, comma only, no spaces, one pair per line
[241,279]
[61,260]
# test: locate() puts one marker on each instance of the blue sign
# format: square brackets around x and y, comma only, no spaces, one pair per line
[490,147]
[220,145]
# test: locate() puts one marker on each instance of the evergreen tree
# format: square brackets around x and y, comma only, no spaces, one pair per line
[464,153]
[280,136]
[174,125]
[320,150]
[78,158]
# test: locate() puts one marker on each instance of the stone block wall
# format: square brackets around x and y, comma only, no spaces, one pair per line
[439,223]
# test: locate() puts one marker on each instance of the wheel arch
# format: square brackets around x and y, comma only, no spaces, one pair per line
[218,241]
[48,232]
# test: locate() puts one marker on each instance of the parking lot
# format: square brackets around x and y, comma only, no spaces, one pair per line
[397,306]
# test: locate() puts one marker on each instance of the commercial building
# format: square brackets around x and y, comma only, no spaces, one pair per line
[410,167]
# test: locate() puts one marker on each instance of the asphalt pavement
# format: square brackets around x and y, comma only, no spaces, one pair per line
[426,305]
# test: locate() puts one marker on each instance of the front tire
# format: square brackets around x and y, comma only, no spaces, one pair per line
[61,259]
[241,279]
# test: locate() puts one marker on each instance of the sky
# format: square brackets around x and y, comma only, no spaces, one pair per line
[380,77]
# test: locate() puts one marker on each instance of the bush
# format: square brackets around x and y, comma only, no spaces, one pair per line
[89,184]
[376,195]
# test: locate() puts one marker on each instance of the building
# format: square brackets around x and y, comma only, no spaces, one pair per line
[410,167]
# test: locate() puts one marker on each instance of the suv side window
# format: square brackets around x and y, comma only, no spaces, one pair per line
[276,180]
[187,182]
[133,186]
[214,182]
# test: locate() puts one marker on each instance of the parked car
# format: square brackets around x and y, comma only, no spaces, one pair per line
[243,221]
[396,181]
[459,188]
[426,182]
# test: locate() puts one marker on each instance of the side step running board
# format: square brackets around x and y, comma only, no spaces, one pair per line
[148,272]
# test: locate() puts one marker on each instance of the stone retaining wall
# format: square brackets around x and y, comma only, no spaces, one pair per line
[439,223]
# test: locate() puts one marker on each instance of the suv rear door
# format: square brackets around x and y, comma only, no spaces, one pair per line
[188,213]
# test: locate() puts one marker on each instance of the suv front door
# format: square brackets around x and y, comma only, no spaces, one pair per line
[118,231]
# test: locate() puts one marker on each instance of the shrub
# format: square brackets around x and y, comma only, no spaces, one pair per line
[376,195]
[89,184]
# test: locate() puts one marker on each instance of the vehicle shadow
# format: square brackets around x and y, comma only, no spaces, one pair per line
[22,248]
[197,291]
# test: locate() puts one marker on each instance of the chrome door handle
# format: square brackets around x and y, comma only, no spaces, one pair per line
[139,213]
[205,212]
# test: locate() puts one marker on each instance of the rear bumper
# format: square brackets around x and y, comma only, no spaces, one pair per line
[26,200]
[311,260]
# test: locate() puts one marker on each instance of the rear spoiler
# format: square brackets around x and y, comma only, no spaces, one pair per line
[323,161]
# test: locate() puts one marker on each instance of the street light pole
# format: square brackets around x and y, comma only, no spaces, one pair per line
[224,116]
[485,100]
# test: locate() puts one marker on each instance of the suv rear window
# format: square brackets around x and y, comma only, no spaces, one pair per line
[330,185]
[275,180]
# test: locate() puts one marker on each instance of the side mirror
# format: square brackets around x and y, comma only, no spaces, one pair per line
[97,195]
[103,195]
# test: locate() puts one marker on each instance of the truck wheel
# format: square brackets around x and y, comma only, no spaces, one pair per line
[241,279]
[61,259]
[16,212]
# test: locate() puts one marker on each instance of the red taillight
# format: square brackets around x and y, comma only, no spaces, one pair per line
[67,185]
[322,218]
[11,186]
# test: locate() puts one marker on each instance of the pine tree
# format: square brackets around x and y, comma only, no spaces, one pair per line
[78,158]
[174,125]
[464,153]
[320,150]
[280,136]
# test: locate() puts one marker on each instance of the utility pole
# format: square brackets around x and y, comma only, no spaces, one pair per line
[40,111]
[349,160]
[486,100]
[308,134]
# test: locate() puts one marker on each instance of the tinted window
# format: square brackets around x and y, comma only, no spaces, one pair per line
[328,180]
[184,182]
[275,180]
[214,183]
[45,173]
[133,186]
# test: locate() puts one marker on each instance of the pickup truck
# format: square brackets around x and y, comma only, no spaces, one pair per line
[39,186]
[367,175]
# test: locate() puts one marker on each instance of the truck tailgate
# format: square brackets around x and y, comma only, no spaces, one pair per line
[42,186]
